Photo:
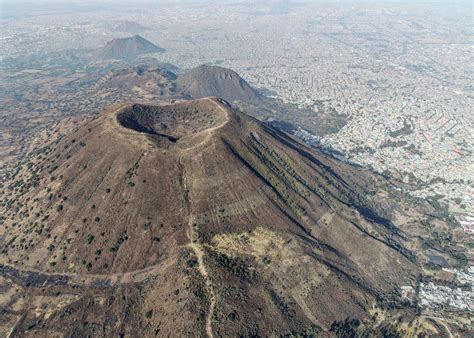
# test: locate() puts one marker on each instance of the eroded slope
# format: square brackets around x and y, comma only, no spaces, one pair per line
[203,217]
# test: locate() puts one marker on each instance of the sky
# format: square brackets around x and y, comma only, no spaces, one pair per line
[15,8]
[223,1]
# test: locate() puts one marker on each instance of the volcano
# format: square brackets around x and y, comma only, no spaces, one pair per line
[195,219]
[126,48]
[207,80]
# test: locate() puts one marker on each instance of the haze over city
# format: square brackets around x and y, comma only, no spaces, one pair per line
[237,168]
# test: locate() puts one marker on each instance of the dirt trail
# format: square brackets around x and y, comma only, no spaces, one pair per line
[37,278]
[199,252]
[440,321]
[208,132]
[192,230]
[194,244]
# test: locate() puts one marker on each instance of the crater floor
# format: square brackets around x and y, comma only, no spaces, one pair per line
[171,123]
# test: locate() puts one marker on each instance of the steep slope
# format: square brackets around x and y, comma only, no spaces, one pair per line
[126,48]
[205,81]
[196,219]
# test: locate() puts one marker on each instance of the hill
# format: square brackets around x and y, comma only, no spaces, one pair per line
[126,26]
[141,83]
[126,48]
[206,81]
[195,219]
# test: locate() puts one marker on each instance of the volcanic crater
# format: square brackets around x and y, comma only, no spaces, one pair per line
[170,123]
[221,226]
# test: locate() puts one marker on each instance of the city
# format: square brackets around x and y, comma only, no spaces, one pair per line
[384,87]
